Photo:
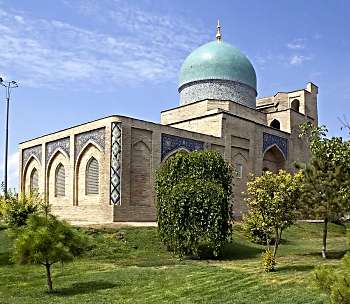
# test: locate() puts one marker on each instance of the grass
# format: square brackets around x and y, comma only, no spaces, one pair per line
[130,265]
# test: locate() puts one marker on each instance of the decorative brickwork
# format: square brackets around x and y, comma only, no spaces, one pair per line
[269,140]
[53,146]
[32,151]
[96,136]
[171,143]
[115,163]
[219,90]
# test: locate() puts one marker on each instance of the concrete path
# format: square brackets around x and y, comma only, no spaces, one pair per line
[114,225]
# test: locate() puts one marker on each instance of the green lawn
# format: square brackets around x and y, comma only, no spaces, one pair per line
[130,265]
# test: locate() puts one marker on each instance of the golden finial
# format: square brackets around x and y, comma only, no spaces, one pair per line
[218,32]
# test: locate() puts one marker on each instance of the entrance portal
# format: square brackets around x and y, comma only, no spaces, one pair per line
[273,160]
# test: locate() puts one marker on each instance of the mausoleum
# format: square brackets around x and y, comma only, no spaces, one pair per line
[104,170]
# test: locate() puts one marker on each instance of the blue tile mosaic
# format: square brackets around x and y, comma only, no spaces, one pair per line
[96,136]
[171,143]
[218,90]
[269,140]
[32,151]
[53,146]
[116,153]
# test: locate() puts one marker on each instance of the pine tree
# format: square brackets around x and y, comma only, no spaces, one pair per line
[326,178]
[45,240]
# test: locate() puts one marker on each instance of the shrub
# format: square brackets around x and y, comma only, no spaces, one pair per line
[16,208]
[193,208]
[268,260]
[335,282]
[255,230]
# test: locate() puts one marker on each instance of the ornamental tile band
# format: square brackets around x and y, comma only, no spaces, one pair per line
[269,140]
[171,143]
[32,151]
[96,136]
[115,163]
[53,146]
[219,90]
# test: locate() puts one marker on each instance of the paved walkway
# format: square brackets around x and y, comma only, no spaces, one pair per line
[115,224]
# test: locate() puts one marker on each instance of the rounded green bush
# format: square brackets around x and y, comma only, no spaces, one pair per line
[193,202]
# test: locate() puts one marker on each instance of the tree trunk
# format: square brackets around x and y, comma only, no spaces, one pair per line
[325,231]
[48,274]
[277,241]
[268,241]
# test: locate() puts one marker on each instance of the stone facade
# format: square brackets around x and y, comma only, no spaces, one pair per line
[129,151]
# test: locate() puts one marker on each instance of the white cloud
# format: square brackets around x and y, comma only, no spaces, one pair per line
[19,19]
[141,46]
[12,169]
[298,59]
[297,44]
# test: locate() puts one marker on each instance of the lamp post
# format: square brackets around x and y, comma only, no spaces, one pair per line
[8,87]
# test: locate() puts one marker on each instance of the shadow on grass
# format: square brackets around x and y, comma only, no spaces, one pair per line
[83,288]
[296,268]
[5,259]
[236,250]
[331,254]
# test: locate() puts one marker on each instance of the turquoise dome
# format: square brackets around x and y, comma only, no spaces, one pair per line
[217,60]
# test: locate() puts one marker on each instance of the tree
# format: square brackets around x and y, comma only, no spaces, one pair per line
[16,208]
[326,178]
[45,240]
[273,200]
[193,202]
[253,226]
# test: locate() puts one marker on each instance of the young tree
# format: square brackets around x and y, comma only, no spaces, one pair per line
[273,199]
[45,240]
[326,178]
[193,202]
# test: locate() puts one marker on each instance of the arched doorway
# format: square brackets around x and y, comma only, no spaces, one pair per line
[273,159]
[295,105]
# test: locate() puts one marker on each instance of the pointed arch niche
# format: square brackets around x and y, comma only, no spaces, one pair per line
[273,159]
[32,176]
[171,154]
[89,160]
[240,165]
[58,177]
[141,170]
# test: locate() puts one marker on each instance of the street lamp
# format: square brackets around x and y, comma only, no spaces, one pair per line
[8,86]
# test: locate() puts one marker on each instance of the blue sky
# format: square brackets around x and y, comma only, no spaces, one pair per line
[79,60]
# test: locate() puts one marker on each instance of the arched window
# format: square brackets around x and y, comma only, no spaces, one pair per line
[34,180]
[60,181]
[239,170]
[92,177]
[275,124]
[295,105]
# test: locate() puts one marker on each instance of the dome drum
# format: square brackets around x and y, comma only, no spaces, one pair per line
[219,90]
